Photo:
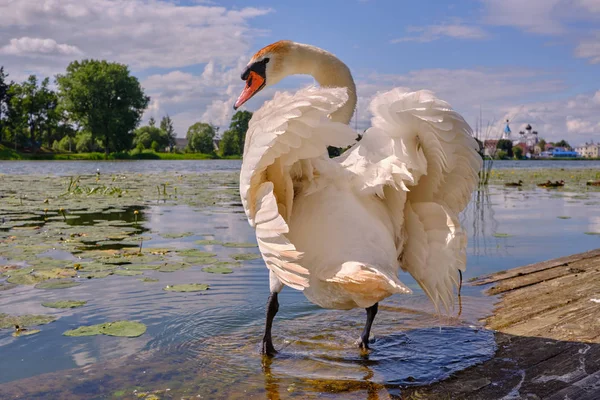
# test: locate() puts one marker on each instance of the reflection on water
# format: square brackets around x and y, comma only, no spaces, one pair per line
[206,344]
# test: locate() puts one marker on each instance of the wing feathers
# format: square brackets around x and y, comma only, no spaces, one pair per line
[288,129]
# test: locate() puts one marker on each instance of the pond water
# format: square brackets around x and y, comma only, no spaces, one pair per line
[205,344]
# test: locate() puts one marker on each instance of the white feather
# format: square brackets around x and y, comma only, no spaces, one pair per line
[341,229]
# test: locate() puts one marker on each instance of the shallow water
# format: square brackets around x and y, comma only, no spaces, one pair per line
[205,343]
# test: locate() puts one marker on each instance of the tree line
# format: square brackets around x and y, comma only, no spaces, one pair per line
[98,106]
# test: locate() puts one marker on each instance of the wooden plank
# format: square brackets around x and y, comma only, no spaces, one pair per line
[497,276]
[584,389]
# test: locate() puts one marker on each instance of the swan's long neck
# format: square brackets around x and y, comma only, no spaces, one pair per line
[328,70]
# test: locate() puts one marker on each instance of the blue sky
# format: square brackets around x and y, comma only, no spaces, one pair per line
[534,61]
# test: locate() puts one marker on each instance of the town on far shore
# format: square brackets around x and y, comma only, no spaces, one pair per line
[528,145]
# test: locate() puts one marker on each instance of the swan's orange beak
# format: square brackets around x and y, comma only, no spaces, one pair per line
[254,83]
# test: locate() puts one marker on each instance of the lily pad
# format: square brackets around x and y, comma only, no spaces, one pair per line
[57,284]
[501,235]
[148,280]
[189,287]
[123,329]
[25,332]
[25,279]
[141,267]
[117,328]
[84,331]
[227,264]
[65,303]
[125,272]
[97,274]
[7,286]
[9,321]
[176,235]
[239,244]
[245,256]
[172,267]
[208,242]
[563,217]
[592,233]
[217,269]
[195,253]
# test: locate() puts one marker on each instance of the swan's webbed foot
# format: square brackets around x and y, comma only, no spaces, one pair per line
[363,341]
[267,348]
[267,343]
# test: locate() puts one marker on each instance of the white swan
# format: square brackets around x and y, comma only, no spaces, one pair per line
[340,229]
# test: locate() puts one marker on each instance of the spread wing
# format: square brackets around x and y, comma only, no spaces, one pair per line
[419,156]
[289,130]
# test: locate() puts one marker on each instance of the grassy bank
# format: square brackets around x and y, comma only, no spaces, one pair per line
[9,154]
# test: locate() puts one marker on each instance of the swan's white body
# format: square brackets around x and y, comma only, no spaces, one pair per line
[340,229]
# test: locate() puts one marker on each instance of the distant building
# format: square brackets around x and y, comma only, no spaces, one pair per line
[181,143]
[561,152]
[589,150]
[490,147]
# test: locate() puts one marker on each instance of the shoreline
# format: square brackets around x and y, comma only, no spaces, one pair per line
[546,328]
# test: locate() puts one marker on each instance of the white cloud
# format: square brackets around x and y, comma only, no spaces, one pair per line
[435,32]
[537,16]
[36,46]
[140,33]
[501,93]
[590,48]
[574,119]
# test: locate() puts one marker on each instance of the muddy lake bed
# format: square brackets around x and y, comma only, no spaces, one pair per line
[144,281]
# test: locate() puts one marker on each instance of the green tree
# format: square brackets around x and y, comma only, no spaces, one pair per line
[105,99]
[200,138]
[152,122]
[563,143]
[166,125]
[4,99]
[146,135]
[229,144]
[239,125]
[31,108]
[501,154]
[542,144]
[517,152]
[506,145]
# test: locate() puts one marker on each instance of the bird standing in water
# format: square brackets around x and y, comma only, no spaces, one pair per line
[341,229]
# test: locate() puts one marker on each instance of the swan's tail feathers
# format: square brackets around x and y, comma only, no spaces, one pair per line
[366,284]
[434,251]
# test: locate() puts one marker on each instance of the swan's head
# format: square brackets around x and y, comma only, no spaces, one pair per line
[266,68]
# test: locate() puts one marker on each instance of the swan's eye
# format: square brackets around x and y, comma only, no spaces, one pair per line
[266,60]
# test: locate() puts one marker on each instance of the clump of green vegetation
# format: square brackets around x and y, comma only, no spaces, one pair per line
[65,303]
[117,328]
[9,321]
[502,235]
[189,287]
[245,256]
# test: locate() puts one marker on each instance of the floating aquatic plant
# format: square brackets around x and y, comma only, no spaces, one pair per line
[117,328]
[188,287]
[217,269]
[245,256]
[65,303]
[9,321]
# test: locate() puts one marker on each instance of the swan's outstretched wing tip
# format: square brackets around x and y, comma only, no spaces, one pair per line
[420,154]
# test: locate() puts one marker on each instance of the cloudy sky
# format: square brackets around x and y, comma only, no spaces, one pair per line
[534,61]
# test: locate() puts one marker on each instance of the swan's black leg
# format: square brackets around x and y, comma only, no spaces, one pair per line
[267,342]
[363,342]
